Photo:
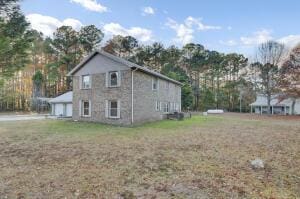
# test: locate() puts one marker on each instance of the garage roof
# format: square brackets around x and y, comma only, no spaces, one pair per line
[64,98]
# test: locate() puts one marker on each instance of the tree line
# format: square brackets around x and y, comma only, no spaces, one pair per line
[32,65]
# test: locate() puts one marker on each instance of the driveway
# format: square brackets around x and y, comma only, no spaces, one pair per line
[4,118]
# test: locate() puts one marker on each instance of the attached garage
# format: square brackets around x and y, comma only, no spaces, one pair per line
[61,106]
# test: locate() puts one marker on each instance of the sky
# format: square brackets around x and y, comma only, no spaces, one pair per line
[223,25]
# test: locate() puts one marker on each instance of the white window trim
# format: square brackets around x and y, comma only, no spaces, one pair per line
[157,105]
[108,80]
[165,107]
[157,83]
[82,107]
[176,108]
[168,107]
[81,82]
[107,109]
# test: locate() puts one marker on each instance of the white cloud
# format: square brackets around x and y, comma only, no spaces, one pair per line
[229,42]
[255,39]
[258,37]
[229,28]
[185,31]
[190,21]
[184,34]
[47,24]
[72,22]
[262,36]
[148,11]
[290,40]
[141,34]
[91,5]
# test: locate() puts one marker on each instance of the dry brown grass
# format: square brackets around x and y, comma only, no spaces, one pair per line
[197,158]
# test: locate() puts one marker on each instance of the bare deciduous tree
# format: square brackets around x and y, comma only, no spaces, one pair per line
[289,81]
[269,56]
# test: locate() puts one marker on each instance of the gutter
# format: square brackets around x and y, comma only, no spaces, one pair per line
[132,71]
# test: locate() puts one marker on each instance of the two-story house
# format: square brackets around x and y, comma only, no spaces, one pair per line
[112,90]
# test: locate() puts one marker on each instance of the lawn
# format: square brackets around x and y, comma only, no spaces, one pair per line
[202,157]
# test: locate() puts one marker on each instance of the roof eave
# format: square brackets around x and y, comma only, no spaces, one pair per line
[84,61]
[156,75]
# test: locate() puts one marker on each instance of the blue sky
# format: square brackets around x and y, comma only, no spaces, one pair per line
[226,26]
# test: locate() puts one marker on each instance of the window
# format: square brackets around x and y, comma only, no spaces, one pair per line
[176,107]
[113,109]
[157,106]
[86,82]
[171,107]
[166,107]
[154,83]
[86,108]
[113,79]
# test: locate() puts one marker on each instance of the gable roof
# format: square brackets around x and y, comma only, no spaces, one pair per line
[64,98]
[122,61]
[261,100]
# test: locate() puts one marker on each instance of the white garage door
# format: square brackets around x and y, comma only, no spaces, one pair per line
[69,110]
[62,109]
[59,110]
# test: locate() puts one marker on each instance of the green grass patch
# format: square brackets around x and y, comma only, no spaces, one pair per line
[62,127]
[174,124]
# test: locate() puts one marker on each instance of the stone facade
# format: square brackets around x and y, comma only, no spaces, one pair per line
[145,99]
[97,96]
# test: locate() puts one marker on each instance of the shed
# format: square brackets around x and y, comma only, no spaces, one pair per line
[62,105]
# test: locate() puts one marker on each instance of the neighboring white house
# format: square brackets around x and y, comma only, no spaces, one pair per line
[62,105]
[278,106]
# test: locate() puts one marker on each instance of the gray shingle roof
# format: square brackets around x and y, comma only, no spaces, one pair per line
[261,100]
[64,98]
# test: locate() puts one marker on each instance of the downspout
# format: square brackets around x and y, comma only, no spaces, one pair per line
[132,71]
